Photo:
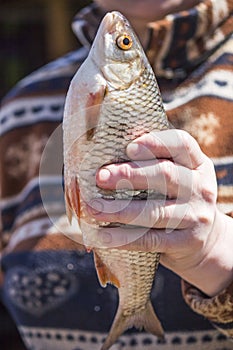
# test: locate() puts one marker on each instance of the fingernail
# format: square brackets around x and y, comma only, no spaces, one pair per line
[104,175]
[133,149]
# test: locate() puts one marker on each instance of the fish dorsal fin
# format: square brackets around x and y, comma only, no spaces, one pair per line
[104,274]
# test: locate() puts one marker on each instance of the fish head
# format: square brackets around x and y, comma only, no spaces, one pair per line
[117,52]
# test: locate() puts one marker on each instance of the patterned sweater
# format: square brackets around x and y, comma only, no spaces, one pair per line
[49,283]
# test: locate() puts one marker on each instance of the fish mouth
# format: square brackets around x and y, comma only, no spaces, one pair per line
[113,20]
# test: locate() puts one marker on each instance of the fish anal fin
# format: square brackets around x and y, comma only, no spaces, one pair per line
[146,319]
[104,274]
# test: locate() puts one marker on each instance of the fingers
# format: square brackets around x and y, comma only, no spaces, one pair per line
[140,239]
[173,144]
[164,176]
[143,213]
[171,163]
[172,176]
[116,237]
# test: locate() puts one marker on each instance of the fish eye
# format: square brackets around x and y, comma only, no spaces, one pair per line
[124,42]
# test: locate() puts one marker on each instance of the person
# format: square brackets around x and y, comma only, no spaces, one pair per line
[49,283]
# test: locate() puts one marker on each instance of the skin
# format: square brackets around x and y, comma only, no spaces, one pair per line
[194,237]
[149,10]
[140,12]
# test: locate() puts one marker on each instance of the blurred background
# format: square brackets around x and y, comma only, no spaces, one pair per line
[32,33]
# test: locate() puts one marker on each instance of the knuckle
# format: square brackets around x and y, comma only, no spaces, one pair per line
[156,241]
[186,138]
[152,241]
[209,195]
[166,169]
[169,174]
[204,217]
[191,214]
[190,145]
[200,214]
[209,183]
[157,214]
[125,171]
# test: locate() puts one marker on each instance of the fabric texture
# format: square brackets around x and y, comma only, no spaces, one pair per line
[217,309]
[49,281]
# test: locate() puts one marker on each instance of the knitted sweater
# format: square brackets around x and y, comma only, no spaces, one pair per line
[49,282]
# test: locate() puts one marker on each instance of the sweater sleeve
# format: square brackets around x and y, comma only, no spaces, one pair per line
[218,309]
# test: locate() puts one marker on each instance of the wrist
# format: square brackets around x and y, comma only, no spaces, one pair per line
[215,272]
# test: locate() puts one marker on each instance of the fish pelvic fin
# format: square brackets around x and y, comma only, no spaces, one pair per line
[146,319]
[68,209]
[104,274]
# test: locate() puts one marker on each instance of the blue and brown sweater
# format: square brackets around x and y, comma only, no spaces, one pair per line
[49,283]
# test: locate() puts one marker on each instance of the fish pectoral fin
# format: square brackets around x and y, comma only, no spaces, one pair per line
[104,274]
[146,319]
[72,199]
[93,104]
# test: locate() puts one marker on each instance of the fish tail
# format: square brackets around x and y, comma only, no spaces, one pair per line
[151,323]
[146,319]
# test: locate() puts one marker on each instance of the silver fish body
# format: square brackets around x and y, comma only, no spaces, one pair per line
[113,99]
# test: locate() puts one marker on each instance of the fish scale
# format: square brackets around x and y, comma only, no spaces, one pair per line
[133,296]
[112,106]
[108,149]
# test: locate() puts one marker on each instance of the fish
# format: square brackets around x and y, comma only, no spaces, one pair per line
[112,99]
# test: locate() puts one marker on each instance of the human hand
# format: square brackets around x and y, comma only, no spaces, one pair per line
[187,228]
